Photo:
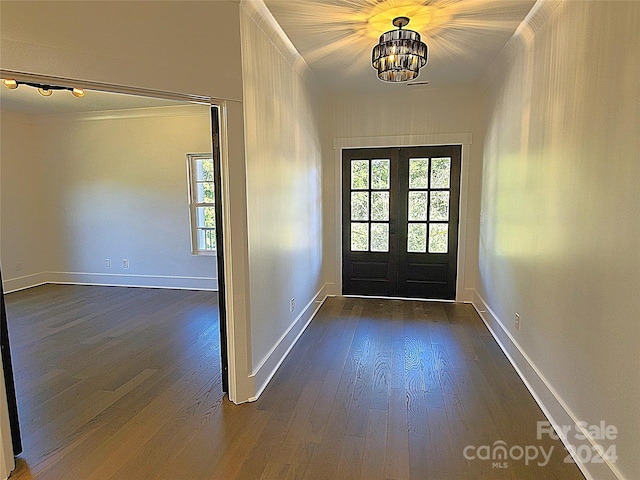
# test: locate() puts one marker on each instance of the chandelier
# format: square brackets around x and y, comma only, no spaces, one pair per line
[399,54]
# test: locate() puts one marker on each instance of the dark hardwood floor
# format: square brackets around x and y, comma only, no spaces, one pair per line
[124,383]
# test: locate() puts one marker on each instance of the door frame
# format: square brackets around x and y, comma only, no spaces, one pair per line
[10,436]
[390,141]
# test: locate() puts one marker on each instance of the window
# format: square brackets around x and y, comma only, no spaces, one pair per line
[201,202]
[370,189]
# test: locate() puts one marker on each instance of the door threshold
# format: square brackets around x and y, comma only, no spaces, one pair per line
[382,297]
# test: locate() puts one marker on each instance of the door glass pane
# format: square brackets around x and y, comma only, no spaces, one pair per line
[359,174]
[440,172]
[439,206]
[359,206]
[379,174]
[417,238]
[417,206]
[379,237]
[359,237]
[380,206]
[438,237]
[418,173]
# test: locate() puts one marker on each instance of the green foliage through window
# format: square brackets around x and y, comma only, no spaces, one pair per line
[418,173]
[359,174]
[440,172]
[202,202]
[380,174]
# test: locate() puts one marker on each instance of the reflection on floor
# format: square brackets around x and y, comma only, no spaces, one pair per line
[125,383]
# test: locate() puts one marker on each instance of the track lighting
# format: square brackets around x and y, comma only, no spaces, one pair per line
[43,89]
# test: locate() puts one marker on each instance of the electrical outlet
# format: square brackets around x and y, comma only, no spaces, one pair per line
[517,321]
[292,304]
[125,263]
[107,262]
[18,266]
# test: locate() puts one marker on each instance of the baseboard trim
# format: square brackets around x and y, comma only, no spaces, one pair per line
[11,285]
[409,299]
[173,282]
[263,374]
[331,289]
[466,295]
[111,280]
[552,405]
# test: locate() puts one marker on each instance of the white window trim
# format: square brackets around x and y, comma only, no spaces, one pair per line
[193,204]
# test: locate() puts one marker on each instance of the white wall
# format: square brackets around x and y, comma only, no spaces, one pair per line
[78,189]
[104,186]
[23,223]
[172,47]
[188,47]
[409,114]
[560,198]
[283,162]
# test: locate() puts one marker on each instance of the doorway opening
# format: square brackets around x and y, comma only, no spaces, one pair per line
[400,221]
[112,103]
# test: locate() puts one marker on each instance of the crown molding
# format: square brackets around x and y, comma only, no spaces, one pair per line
[532,23]
[147,112]
[260,14]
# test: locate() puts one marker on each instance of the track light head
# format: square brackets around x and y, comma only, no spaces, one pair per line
[10,83]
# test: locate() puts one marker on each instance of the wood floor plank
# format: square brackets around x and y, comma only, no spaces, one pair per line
[375,445]
[443,457]
[319,415]
[124,383]
[382,369]
[350,464]
[300,428]
[397,454]
[361,400]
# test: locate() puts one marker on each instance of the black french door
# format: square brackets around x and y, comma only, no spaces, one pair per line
[222,299]
[400,221]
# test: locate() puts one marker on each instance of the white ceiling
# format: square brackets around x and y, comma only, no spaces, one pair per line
[336,37]
[27,100]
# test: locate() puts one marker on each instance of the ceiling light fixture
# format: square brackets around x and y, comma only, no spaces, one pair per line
[399,54]
[44,90]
